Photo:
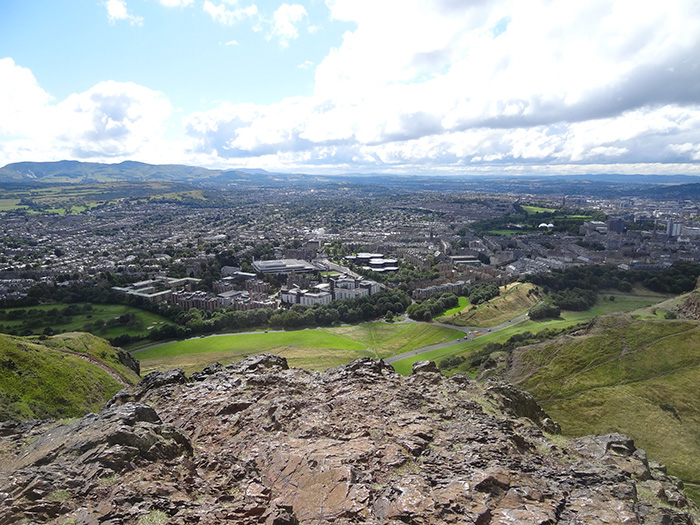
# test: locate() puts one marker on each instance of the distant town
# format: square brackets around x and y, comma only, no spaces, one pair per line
[247,247]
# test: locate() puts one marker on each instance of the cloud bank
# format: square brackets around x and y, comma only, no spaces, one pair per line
[422,86]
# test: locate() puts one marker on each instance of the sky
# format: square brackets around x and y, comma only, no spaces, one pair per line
[541,87]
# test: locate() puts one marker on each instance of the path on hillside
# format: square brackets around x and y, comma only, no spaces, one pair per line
[93,360]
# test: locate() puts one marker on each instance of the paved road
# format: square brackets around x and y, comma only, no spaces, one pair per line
[469,330]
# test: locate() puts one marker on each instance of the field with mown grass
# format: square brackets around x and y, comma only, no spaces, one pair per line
[313,349]
[38,381]
[531,210]
[637,377]
[99,319]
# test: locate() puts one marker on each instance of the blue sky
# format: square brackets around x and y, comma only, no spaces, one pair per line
[410,86]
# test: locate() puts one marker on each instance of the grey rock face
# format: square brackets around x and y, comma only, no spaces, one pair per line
[520,404]
[355,444]
[421,367]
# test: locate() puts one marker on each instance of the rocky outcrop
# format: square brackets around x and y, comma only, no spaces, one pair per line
[690,307]
[520,404]
[128,360]
[257,442]
[75,457]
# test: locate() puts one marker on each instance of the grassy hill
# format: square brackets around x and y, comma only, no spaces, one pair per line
[515,299]
[621,374]
[58,377]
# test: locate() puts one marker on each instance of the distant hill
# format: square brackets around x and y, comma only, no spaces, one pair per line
[623,375]
[63,376]
[677,191]
[70,171]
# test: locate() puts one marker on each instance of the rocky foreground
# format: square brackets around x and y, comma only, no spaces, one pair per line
[256,442]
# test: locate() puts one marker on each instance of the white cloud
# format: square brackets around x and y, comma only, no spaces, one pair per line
[112,120]
[285,23]
[22,100]
[423,85]
[116,11]
[176,3]
[306,64]
[229,16]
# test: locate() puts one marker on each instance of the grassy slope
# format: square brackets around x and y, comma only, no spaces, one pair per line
[463,303]
[629,376]
[315,349]
[37,381]
[512,302]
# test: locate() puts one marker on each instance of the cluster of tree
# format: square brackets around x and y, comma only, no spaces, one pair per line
[35,317]
[544,310]
[452,361]
[576,288]
[429,308]
[406,274]
[345,311]
[576,299]
[482,292]
[564,220]
[680,278]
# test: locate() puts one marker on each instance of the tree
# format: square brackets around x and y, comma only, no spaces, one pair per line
[544,310]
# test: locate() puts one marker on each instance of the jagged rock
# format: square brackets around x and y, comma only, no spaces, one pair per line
[128,360]
[521,404]
[150,382]
[115,438]
[207,371]
[258,363]
[420,367]
[158,379]
[353,444]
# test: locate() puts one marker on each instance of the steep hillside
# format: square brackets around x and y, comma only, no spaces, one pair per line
[515,299]
[256,442]
[622,375]
[64,376]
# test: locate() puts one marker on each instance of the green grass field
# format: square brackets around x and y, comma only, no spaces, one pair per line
[314,349]
[10,204]
[463,303]
[84,321]
[531,210]
[507,233]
